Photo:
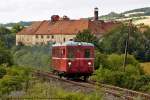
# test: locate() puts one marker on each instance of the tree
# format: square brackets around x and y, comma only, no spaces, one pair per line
[114,42]
[6,38]
[5,57]
[87,36]
[147,44]
[1,44]
[4,31]
[16,28]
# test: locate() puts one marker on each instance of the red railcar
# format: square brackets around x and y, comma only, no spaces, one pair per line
[73,59]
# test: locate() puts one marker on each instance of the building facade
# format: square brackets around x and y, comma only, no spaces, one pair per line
[59,30]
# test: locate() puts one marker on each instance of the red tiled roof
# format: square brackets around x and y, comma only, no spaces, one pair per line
[63,27]
[31,29]
[66,27]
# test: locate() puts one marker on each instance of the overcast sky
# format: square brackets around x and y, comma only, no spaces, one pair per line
[27,10]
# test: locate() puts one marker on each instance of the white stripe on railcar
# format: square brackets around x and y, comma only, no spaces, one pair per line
[73,58]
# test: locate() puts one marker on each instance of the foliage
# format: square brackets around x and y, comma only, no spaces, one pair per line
[86,36]
[6,37]
[110,71]
[5,57]
[48,90]
[146,67]
[9,40]
[10,83]
[2,72]
[4,30]
[139,45]
[100,60]
[16,28]
[12,79]
[36,56]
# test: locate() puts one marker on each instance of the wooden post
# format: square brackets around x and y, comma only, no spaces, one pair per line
[126,46]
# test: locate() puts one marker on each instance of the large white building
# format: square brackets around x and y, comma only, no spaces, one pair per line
[61,29]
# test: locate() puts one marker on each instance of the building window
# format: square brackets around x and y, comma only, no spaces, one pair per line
[52,36]
[37,43]
[42,36]
[42,43]
[36,36]
[48,36]
[64,39]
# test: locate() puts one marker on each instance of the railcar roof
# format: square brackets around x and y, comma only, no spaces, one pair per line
[72,43]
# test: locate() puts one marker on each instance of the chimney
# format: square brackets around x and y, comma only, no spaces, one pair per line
[96,14]
[55,18]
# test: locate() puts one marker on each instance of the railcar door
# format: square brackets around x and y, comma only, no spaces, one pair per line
[73,59]
[79,59]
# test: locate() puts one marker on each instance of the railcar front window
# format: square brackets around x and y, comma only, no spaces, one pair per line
[87,53]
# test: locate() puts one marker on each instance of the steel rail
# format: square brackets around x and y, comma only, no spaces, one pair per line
[110,90]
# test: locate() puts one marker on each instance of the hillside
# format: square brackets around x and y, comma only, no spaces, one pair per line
[146,11]
[23,23]
[111,16]
[127,14]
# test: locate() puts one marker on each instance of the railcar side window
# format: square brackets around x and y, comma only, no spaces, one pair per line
[63,52]
[87,53]
[70,53]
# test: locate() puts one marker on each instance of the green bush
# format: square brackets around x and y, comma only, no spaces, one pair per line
[13,79]
[111,72]
[2,72]
[10,83]
[5,57]
[35,56]
[100,60]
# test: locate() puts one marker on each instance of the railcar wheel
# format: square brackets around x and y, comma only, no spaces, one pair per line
[60,76]
[85,78]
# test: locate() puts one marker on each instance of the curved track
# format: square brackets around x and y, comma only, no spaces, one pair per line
[109,90]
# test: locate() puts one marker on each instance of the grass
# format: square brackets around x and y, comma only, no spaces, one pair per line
[146,67]
[45,90]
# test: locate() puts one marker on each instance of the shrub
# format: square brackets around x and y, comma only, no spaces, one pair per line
[2,72]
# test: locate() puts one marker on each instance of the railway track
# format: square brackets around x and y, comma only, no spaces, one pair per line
[121,93]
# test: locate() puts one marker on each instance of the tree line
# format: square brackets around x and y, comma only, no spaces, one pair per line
[109,56]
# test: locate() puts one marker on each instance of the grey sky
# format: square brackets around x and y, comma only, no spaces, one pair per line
[27,10]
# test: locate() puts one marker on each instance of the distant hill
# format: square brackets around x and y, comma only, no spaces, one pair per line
[132,13]
[111,15]
[146,11]
[21,23]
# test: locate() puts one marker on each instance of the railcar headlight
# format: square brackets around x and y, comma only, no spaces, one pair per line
[89,63]
[79,44]
[69,63]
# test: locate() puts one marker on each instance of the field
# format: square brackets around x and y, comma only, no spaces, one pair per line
[146,67]
[145,21]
